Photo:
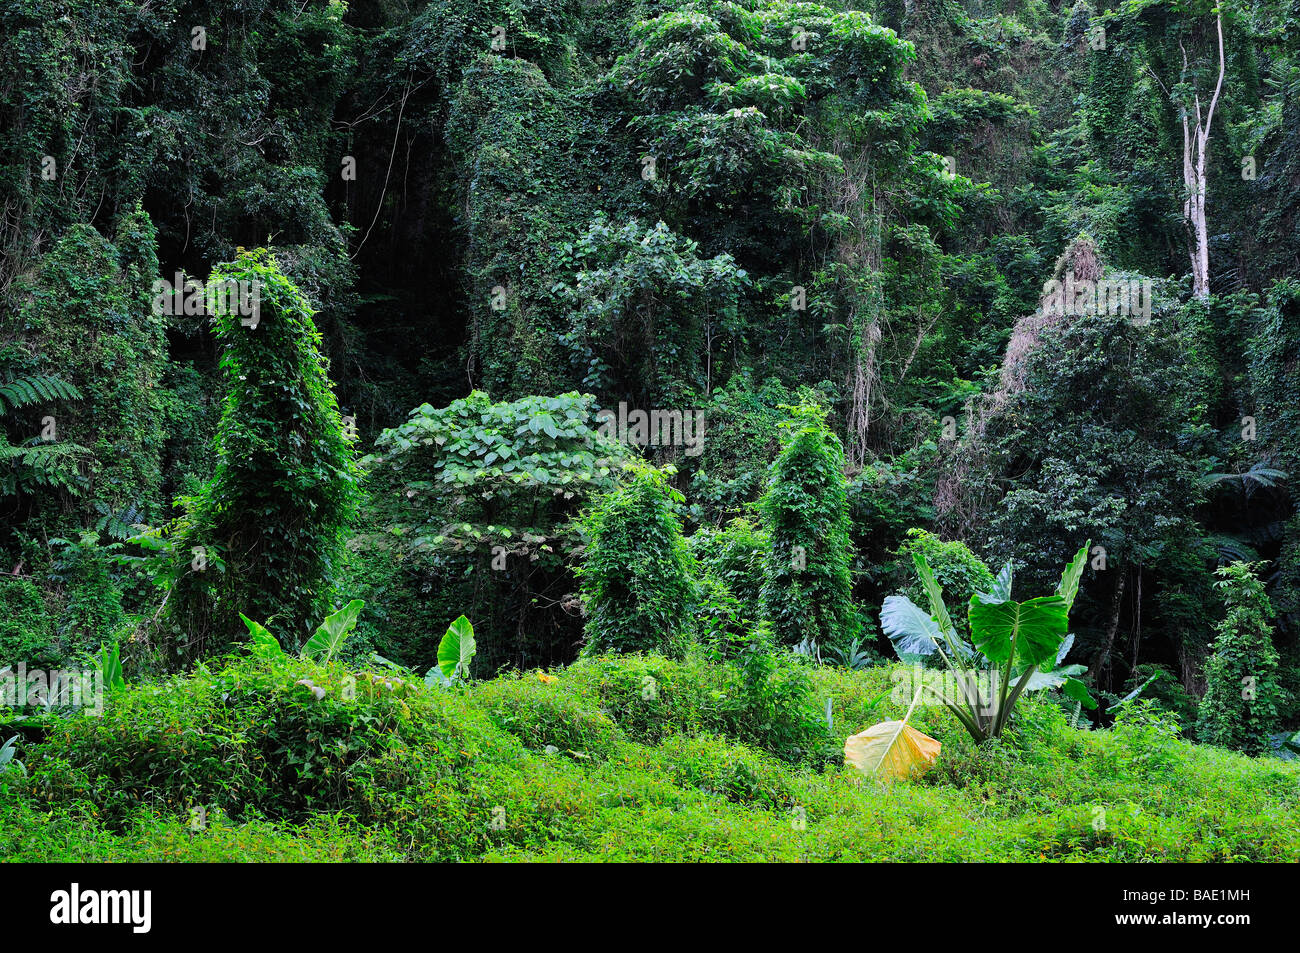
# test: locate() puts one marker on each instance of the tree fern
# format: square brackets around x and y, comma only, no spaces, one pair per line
[38,464]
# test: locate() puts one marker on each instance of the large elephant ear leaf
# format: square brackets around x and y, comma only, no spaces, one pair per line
[1001,590]
[1031,630]
[333,632]
[260,641]
[1069,587]
[911,630]
[1055,678]
[1064,650]
[456,650]
[893,750]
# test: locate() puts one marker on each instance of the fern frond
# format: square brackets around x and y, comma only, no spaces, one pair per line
[38,463]
[32,390]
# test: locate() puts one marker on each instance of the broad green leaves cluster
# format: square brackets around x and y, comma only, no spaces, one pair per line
[645,309]
[324,644]
[495,473]
[455,651]
[1015,646]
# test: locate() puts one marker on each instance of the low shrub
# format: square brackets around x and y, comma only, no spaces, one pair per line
[542,712]
[287,760]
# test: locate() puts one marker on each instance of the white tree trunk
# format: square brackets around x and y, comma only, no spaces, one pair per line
[1195,152]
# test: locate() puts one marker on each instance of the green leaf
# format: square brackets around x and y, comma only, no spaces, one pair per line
[1075,689]
[1001,590]
[261,642]
[1064,650]
[456,650]
[1133,694]
[1054,678]
[1069,586]
[333,632]
[934,593]
[110,667]
[912,631]
[1031,631]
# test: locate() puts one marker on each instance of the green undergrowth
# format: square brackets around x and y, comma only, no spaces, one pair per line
[620,758]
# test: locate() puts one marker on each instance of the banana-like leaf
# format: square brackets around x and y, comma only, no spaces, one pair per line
[333,632]
[1031,631]
[261,642]
[109,664]
[1053,678]
[456,650]
[891,750]
[1133,694]
[1069,587]
[1001,590]
[910,628]
[1066,679]
[934,593]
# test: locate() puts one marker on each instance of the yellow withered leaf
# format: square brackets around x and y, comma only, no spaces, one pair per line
[891,750]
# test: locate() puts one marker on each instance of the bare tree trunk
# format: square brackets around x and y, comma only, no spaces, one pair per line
[868,308]
[1195,152]
[1101,661]
[1189,668]
[1137,621]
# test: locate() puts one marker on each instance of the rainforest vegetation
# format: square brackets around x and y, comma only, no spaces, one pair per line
[660,430]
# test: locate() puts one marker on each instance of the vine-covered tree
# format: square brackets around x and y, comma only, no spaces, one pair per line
[1240,706]
[265,536]
[809,579]
[638,576]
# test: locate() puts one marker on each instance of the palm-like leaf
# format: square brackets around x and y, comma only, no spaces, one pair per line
[33,390]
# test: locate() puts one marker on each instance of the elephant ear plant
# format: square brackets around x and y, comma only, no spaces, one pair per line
[1017,646]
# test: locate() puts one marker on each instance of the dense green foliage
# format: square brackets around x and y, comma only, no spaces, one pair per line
[730,328]
[273,516]
[807,580]
[1239,709]
[637,574]
[585,765]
